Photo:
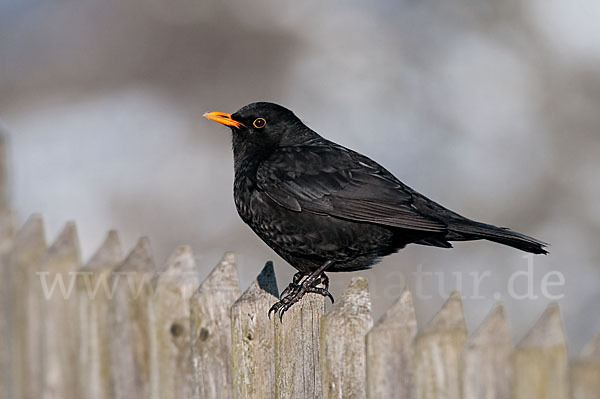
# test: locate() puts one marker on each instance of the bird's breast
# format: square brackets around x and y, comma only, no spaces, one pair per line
[245,197]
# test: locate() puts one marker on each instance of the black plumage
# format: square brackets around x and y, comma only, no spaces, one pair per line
[323,207]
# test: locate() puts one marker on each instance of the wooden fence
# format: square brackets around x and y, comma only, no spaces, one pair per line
[128,329]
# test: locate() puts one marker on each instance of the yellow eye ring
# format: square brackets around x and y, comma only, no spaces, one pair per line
[259,123]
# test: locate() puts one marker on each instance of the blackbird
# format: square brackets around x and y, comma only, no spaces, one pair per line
[323,207]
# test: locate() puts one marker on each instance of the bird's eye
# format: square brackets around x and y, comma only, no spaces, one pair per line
[259,123]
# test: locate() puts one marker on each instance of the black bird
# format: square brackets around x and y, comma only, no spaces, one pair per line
[323,207]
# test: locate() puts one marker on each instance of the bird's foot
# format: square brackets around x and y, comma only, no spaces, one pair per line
[323,279]
[293,285]
[294,292]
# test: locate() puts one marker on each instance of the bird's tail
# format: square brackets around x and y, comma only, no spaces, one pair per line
[471,230]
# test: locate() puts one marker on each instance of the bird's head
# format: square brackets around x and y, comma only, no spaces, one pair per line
[259,128]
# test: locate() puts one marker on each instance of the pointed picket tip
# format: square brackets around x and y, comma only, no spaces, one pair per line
[354,301]
[7,230]
[7,223]
[591,351]
[32,233]
[486,358]
[108,255]
[400,315]
[493,329]
[547,331]
[181,261]
[357,286]
[264,284]
[223,276]
[229,257]
[451,315]
[180,273]
[66,245]
[139,259]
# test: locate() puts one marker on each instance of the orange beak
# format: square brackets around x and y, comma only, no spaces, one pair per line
[223,118]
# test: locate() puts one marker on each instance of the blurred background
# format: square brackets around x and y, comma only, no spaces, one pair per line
[489,107]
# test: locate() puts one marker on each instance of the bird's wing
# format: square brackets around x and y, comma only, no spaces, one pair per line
[332,180]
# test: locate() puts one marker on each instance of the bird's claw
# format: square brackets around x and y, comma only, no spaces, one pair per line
[285,295]
[276,306]
[294,292]
[289,296]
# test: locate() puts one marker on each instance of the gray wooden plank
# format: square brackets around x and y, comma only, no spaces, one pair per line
[343,329]
[130,338]
[297,347]
[60,316]
[438,351]
[95,295]
[252,337]
[390,352]
[211,330]
[540,361]
[172,367]
[29,247]
[486,359]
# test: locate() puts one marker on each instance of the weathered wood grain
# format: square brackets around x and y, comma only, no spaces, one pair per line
[130,336]
[172,366]
[211,331]
[540,362]
[4,187]
[60,316]
[6,288]
[390,353]
[297,347]
[438,351]
[95,295]
[486,359]
[29,247]
[253,351]
[170,336]
[585,372]
[343,329]
[6,301]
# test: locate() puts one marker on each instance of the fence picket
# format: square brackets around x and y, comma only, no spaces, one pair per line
[211,330]
[253,339]
[29,247]
[172,367]
[6,300]
[540,360]
[486,359]
[94,303]
[130,340]
[389,347]
[438,353]
[297,364]
[585,372]
[343,329]
[60,317]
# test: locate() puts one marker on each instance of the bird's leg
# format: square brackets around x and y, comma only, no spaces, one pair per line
[293,285]
[323,279]
[294,292]
[287,294]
